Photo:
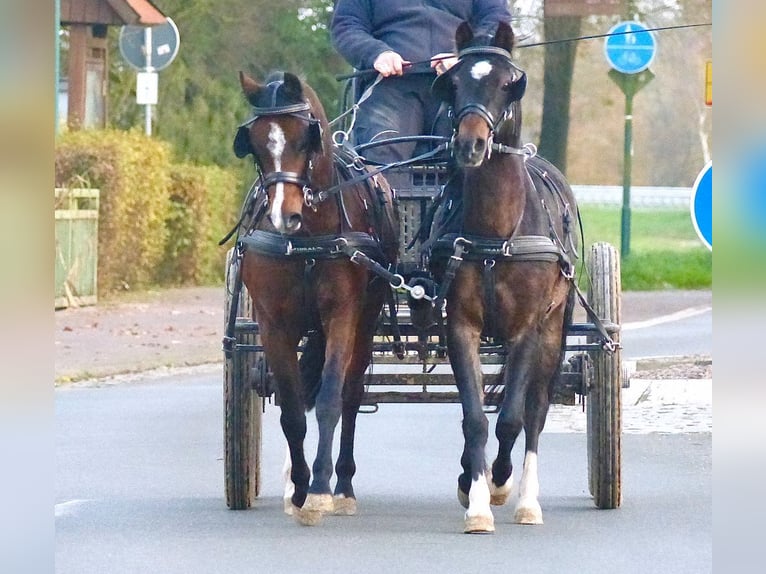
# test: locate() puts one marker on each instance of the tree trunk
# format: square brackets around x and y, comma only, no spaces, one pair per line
[557,80]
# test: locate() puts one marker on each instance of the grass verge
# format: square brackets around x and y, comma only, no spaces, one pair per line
[665,252]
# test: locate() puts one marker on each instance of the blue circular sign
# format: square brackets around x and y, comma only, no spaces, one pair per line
[702,205]
[630,47]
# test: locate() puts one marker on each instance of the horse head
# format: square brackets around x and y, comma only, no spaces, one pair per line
[288,140]
[483,90]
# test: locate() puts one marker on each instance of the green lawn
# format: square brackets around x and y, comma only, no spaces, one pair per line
[665,252]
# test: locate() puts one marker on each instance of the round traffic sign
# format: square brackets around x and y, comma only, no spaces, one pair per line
[630,47]
[164,45]
[702,205]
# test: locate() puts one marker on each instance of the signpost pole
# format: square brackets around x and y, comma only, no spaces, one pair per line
[629,49]
[148,68]
[626,175]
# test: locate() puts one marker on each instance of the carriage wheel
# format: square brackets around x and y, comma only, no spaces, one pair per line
[604,401]
[242,413]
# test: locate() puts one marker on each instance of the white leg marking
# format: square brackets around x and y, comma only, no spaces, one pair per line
[480,69]
[289,485]
[478,517]
[276,146]
[528,509]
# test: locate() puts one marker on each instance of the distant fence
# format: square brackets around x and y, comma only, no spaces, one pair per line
[611,195]
[76,214]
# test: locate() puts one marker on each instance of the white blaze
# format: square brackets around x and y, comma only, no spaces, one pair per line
[480,69]
[276,147]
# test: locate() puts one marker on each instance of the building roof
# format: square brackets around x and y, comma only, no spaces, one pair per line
[111,12]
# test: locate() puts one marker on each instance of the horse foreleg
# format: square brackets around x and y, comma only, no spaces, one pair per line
[344,498]
[473,490]
[550,354]
[328,410]
[510,419]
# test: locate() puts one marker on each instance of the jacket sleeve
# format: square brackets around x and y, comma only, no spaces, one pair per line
[351,33]
[487,14]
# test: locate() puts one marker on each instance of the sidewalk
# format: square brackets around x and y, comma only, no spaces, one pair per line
[137,332]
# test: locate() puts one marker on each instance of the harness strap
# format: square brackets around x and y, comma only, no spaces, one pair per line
[607,343]
[229,338]
[315,247]
[521,248]
[459,246]
[489,295]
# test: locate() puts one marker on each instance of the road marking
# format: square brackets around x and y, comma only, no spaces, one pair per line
[677,316]
[68,507]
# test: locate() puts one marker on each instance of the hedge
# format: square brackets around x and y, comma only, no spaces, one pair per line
[159,222]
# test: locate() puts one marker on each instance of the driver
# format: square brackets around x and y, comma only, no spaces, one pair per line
[398,36]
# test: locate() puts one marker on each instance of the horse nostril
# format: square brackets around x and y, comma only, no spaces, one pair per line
[294,222]
[478,145]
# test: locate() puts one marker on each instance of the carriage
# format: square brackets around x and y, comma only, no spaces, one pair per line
[410,353]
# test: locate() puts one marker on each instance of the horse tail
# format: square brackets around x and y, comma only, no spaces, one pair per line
[310,364]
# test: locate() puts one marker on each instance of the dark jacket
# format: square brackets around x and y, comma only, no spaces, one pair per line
[417,30]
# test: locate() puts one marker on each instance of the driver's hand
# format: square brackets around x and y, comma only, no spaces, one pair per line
[389,63]
[443,62]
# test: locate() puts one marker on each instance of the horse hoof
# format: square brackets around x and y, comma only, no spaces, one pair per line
[528,514]
[306,517]
[498,495]
[481,524]
[289,507]
[344,506]
[462,498]
[319,502]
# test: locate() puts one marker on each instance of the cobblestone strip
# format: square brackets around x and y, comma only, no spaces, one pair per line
[650,406]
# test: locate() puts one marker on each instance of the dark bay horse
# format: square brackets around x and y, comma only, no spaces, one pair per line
[310,218]
[507,260]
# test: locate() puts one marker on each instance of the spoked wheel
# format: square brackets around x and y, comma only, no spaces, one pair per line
[242,405]
[604,400]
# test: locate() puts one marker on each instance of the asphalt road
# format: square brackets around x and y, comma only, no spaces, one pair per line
[140,489]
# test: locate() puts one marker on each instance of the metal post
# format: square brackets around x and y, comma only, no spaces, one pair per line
[626,175]
[148,56]
[57,64]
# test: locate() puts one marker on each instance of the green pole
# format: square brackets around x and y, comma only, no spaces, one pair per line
[57,71]
[629,84]
[626,175]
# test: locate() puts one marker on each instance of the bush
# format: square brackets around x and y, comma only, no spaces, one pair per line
[203,203]
[131,171]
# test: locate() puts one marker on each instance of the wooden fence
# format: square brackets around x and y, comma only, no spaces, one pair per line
[76,214]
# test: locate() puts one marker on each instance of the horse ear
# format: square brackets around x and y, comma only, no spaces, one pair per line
[504,37]
[463,35]
[249,85]
[293,88]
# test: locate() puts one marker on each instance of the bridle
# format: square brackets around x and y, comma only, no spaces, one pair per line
[479,109]
[302,111]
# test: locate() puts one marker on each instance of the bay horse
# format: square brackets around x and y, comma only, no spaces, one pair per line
[504,257]
[313,216]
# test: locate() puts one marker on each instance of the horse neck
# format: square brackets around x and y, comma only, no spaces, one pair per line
[494,195]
